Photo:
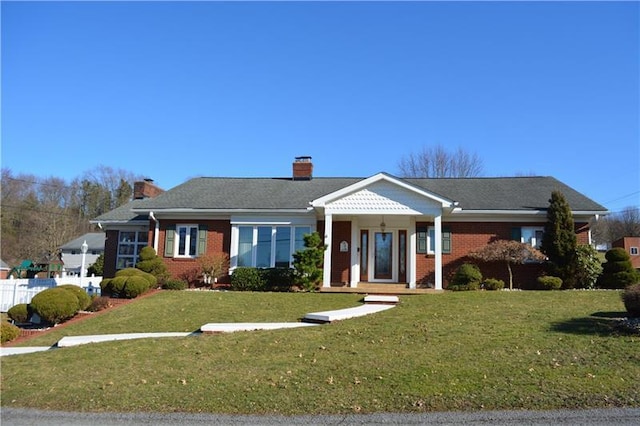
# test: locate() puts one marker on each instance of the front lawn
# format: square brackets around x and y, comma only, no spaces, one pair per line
[451,351]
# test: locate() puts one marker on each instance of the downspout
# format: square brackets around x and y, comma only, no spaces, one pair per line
[155,232]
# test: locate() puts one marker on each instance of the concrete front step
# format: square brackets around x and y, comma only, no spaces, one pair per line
[342,314]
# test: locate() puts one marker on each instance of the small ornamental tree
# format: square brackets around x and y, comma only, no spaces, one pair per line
[509,252]
[308,262]
[559,242]
[153,264]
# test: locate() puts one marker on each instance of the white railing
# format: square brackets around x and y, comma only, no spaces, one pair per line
[21,290]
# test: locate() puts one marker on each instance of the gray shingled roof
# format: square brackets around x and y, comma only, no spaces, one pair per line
[95,241]
[519,193]
[508,193]
[123,213]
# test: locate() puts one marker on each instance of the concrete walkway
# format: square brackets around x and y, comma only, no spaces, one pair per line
[372,305]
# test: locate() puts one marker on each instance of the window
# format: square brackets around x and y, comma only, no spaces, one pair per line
[531,235]
[185,240]
[266,246]
[129,245]
[634,251]
[426,240]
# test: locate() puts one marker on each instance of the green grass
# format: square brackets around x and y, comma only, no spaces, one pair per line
[452,351]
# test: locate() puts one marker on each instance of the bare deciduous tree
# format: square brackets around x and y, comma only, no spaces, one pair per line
[625,223]
[438,162]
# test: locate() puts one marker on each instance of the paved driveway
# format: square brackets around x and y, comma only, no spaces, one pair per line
[622,417]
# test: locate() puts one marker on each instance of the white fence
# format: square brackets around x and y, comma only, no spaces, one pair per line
[22,290]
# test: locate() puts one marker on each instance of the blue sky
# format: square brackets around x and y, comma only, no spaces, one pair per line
[174,90]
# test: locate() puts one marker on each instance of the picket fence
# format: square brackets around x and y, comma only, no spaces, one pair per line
[14,291]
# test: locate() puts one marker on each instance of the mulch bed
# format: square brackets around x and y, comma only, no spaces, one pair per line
[28,333]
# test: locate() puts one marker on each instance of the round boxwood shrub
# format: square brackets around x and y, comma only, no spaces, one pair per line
[83,298]
[631,300]
[8,332]
[130,272]
[173,284]
[549,283]
[492,284]
[246,279]
[134,286]
[467,277]
[55,305]
[19,313]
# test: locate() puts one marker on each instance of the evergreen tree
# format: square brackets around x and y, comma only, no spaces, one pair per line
[559,242]
[308,262]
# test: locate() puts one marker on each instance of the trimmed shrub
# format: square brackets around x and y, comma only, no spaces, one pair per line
[134,286]
[117,286]
[8,332]
[493,284]
[55,305]
[106,287]
[174,285]
[99,303]
[277,279]
[19,313]
[131,272]
[617,271]
[466,277]
[152,264]
[549,283]
[631,300]
[246,279]
[83,298]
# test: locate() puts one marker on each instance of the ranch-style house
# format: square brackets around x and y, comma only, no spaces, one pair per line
[380,229]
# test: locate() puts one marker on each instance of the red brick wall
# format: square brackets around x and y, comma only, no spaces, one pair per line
[340,261]
[468,236]
[218,240]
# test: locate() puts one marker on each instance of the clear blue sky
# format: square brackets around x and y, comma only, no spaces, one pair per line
[174,90]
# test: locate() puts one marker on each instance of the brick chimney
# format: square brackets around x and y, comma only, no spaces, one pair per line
[145,189]
[302,168]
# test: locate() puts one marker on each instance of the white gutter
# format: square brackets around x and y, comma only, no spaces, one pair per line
[155,232]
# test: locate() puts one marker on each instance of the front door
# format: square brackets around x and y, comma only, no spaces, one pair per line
[383,256]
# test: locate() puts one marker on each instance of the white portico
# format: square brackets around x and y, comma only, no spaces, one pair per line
[383,212]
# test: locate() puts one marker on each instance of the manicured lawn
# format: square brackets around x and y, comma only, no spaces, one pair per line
[452,351]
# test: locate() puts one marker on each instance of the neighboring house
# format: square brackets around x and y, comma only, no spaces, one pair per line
[380,229]
[4,270]
[71,252]
[632,247]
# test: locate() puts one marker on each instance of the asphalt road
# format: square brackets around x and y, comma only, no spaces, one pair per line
[616,416]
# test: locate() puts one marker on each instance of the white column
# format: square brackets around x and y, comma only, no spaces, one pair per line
[437,223]
[328,230]
[413,258]
[355,254]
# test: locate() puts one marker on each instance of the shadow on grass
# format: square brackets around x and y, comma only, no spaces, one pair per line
[599,324]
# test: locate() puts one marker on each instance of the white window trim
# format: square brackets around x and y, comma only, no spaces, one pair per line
[536,244]
[633,251]
[235,241]
[176,243]
[429,230]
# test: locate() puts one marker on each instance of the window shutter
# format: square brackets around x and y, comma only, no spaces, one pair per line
[202,239]
[446,240]
[421,240]
[516,233]
[169,238]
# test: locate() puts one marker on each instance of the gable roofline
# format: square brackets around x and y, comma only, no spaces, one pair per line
[379,177]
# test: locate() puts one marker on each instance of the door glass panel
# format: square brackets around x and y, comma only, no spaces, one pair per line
[383,255]
[364,256]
